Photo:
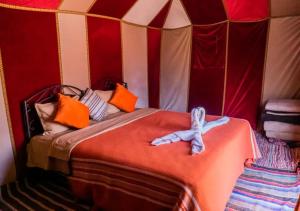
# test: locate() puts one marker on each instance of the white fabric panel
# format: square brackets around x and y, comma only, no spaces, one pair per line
[175,68]
[285,7]
[177,16]
[73,46]
[144,11]
[282,76]
[135,67]
[76,5]
[7,163]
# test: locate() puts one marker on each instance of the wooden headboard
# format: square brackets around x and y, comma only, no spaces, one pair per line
[31,120]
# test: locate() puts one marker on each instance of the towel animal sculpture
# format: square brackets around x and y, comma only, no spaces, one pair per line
[198,128]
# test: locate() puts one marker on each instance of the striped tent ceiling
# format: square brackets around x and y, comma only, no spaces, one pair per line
[170,13]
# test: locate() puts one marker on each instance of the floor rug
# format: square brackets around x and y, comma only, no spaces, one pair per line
[260,188]
[49,193]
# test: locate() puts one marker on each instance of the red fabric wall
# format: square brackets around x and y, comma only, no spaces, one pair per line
[247,42]
[113,8]
[160,18]
[154,36]
[205,11]
[104,51]
[45,4]
[29,49]
[208,67]
[245,10]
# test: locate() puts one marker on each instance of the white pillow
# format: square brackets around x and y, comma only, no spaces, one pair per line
[106,96]
[46,113]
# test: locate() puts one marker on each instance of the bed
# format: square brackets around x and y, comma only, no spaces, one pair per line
[113,164]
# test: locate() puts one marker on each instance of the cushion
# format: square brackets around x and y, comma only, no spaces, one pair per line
[46,113]
[123,99]
[71,112]
[97,106]
[106,96]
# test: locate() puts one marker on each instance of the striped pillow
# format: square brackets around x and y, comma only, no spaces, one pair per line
[96,105]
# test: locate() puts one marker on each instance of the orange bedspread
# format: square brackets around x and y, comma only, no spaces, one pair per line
[106,167]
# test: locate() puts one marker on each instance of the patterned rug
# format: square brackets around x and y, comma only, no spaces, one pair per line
[42,194]
[260,188]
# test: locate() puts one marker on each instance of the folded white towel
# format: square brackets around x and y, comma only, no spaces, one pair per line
[198,127]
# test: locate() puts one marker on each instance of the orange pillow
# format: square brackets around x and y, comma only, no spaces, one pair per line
[123,99]
[71,112]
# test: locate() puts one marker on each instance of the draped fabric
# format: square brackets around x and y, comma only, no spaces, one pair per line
[247,10]
[135,67]
[208,67]
[154,37]
[175,65]
[29,50]
[205,12]
[105,54]
[30,60]
[73,61]
[246,54]
[46,4]
[282,75]
[159,19]
[109,8]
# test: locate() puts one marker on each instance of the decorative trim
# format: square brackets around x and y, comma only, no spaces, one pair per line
[59,50]
[88,50]
[211,24]
[251,21]
[226,68]
[138,25]
[2,78]
[170,29]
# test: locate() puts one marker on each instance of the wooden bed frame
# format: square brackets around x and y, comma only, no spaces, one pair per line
[31,120]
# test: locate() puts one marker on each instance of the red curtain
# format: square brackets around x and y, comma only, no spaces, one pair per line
[208,67]
[104,51]
[29,49]
[246,56]
[154,36]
